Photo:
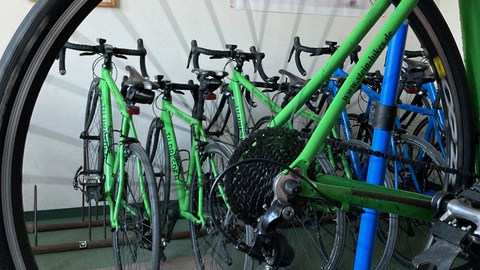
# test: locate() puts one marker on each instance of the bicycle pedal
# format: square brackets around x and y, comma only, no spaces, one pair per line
[94,191]
[85,136]
[91,178]
[444,251]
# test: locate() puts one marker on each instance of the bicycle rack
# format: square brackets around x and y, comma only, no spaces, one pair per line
[90,223]
[81,244]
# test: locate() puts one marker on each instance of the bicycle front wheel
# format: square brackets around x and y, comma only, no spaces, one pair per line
[158,154]
[136,241]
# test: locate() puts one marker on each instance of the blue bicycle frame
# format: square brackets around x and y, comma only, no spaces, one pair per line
[380,142]
[434,126]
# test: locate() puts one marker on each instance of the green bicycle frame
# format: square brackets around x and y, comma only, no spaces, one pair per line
[337,189]
[235,86]
[114,161]
[194,166]
[238,81]
[349,192]
[471,44]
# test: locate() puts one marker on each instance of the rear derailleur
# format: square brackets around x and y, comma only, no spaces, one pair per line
[271,246]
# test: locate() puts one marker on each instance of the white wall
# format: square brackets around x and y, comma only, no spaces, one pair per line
[53,149]
[450,11]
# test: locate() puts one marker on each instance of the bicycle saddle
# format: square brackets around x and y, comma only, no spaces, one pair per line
[215,74]
[135,79]
[414,65]
[294,79]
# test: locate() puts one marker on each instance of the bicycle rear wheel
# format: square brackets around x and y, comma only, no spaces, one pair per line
[221,123]
[317,237]
[414,235]
[136,242]
[92,134]
[429,27]
[314,236]
[210,248]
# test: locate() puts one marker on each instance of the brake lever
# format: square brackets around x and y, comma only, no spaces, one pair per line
[178,92]
[190,55]
[120,56]
[291,53]
[87,53]
[254,62]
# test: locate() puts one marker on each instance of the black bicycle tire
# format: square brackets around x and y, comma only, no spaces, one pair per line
[156,137]
[437,158]
[25,65]
[364,132]
[421,125]
[340,228]
[93,103]
[222,150]
[460,119]
[224,111]
[262,123]
[139,152]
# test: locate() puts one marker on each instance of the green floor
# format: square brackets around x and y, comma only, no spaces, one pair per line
[178,252]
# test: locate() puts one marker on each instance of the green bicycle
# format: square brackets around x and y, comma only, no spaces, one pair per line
[119,173]
[192,186]
[235,104]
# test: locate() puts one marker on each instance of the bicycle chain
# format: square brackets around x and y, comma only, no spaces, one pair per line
[345,145]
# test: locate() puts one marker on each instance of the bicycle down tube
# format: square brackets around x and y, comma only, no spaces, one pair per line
[169,109]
